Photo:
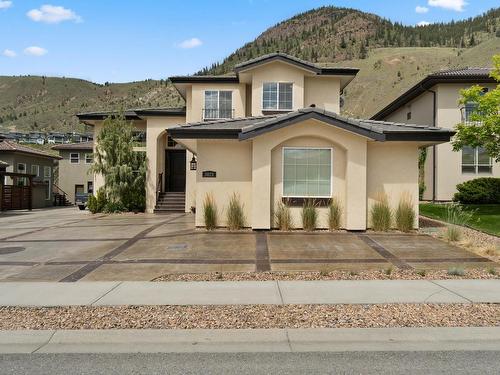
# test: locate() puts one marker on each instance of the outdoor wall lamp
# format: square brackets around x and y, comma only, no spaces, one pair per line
[193,164]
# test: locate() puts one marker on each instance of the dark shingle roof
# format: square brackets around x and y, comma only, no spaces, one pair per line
[246,128]
[133,114]
[10,146]
[463,75]
[75,146]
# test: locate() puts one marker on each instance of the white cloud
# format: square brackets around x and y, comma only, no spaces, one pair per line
[421,10]
[53,14]
[9,53]
[423,23]
[191,43]
[456,5]
[4,4]
[35,51]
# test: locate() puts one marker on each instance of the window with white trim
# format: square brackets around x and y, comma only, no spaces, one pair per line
[74,158]
[218,104]
[89,158]
[277,96]
[35,169]
[307,172]
[476,160]
[21,167]
[47,172]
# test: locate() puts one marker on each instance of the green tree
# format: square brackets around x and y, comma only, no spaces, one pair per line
[483,127]
[123,169]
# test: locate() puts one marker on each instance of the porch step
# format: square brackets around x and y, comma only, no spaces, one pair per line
[170,202]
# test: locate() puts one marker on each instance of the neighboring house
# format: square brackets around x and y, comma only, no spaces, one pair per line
[435,100]
[74,177]
[271,132]
[25,160]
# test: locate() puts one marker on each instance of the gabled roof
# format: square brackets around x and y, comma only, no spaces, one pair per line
[247,128]
[10,146]
[133,114]
[463,75]
[75,146]
[278,56]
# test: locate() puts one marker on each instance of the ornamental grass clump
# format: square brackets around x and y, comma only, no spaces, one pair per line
[380,213]
[405,214]
[283,216]
[309,215]
[210,212]
[235,216]
[457,217]
[334,214]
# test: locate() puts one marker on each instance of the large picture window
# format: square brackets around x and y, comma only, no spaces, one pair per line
[218,104]
[277,96]
[476,160]
[307,172]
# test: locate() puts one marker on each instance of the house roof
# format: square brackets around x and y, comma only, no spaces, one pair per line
[75,146]
[462,75]
[133,114]
[246,128]
[278,56]
[9,146]
[205,79]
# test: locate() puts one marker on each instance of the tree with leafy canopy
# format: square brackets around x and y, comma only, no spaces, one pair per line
[123,169]
[483,127]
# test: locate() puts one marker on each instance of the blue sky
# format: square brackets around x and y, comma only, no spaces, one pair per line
[120,41]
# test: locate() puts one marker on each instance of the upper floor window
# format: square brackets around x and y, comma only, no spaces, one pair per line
[74,158]
[89,158]
[277,96]
[35,170]
[476,160]
[218,104]
[470,108]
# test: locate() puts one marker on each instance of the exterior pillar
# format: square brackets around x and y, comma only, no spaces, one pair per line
[261,185]
[153,169]
[356,198]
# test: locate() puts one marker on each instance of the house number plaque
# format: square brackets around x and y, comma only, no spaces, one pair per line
[209,174]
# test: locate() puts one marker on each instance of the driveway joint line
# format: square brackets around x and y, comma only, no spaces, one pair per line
[381,250]
[262,262]
[288,340]
[451,291]
[46,342]
[106,293]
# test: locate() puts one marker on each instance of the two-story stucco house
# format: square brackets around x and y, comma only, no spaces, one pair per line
[272,131]
[74,175]
[435,100]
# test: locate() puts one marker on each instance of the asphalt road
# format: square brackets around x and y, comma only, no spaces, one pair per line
[472,362]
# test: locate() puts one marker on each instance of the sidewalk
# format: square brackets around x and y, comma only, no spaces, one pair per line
[47,294]
[251,340]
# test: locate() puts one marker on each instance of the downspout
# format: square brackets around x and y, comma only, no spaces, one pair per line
[434,113]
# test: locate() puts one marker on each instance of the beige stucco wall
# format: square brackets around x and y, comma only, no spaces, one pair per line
[339,162]
[392,169]
[196,98]
[322,91]
[277,72]
[232,161]
[73,174]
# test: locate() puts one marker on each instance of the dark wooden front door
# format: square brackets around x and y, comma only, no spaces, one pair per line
[175,173]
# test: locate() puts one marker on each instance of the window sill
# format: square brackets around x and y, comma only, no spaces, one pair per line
[299,201]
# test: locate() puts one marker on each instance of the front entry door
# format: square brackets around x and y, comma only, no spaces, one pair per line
[175,162]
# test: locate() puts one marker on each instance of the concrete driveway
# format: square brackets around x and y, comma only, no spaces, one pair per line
[65,244]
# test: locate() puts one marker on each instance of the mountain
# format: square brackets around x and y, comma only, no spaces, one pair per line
[331,34]
[392,57]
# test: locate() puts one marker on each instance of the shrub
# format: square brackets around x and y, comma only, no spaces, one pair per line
[210,212]
[114,207]
[457,217]
[421,273]
[381,213]
[309,215]
[283,216]
[92,204]
[405,214]
[235,216]
[334,214]
[456,271]
[479,191]
[98,202]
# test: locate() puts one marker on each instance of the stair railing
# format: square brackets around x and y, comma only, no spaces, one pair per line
[60,196]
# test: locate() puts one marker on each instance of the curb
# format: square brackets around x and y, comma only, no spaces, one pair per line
[251,340]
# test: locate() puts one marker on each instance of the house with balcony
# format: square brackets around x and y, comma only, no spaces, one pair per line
[271,132]
[435,100]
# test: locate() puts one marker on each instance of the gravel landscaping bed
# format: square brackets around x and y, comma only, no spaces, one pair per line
[394,274]
[252,316]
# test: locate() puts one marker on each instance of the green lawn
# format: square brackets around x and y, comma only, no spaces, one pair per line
[486,216]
